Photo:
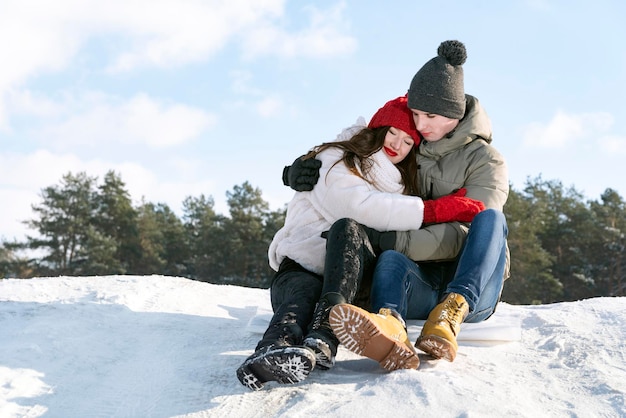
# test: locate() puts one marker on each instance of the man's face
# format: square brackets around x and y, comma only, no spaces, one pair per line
[433,127]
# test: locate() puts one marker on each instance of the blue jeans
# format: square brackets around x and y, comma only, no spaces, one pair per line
[477,274]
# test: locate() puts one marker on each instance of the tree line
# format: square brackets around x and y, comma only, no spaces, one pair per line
[86,229]
[563,247]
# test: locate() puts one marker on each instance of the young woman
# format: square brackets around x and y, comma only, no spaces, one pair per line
[369,179]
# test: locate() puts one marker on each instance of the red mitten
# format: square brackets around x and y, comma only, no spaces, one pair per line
[454,207]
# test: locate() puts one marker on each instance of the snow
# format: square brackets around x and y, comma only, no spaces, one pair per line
[157,346]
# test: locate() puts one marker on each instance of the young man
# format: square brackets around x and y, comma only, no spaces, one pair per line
[446,273]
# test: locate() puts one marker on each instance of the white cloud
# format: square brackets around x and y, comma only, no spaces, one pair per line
[146,33]
[45,37]
[32,103]
[15,210]
[270,106]
[178,32]
[25,175]
[266,104]
[43,168]
[324,37]
[155,124]
[241,83]
[613,145]
[138,120]
[565,129]
[36,39]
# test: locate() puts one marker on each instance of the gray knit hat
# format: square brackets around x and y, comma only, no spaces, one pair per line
[438,86]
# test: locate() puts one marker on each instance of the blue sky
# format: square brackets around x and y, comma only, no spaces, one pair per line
[190,97]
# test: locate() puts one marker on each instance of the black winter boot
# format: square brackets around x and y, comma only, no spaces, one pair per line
[282,364]
[321,338]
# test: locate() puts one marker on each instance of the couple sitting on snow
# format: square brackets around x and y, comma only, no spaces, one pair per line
[385,234]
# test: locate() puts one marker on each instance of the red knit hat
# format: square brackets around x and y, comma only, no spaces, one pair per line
[396,113]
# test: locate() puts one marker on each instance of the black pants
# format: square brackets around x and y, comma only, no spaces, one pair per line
[295,291]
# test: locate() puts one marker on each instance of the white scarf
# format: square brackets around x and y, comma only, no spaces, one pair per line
[384,174]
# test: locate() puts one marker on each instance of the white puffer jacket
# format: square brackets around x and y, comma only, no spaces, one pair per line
[342,194]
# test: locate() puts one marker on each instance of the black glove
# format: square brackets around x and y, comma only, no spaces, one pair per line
[302,175]
[381,241]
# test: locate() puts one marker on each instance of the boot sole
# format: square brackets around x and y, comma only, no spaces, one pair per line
[286,365]
[437,347]
[323,357]
[355,330]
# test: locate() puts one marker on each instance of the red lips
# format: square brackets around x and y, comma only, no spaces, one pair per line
[390,152]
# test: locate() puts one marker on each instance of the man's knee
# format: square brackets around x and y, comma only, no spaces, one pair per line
[491,217]
[389,256]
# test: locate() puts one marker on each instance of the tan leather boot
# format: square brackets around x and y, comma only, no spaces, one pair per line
[438,336]
[381,337]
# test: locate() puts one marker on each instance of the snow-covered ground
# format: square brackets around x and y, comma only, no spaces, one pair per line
[155,346]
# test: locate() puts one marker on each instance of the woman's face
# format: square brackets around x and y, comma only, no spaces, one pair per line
[397,144]
[433,127]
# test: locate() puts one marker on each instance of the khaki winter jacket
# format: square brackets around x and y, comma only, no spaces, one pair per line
[464,159]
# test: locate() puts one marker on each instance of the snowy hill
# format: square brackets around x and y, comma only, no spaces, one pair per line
[154,346]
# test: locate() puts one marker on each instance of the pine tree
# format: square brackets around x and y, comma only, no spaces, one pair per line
[151,241]
[174,241]
[116,219]
[531,278]
[609,255]
[205,232]
[566,226]
[63,224]
[244,236]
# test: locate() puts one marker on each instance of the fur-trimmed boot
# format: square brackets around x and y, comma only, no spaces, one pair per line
[381,337]
[320,338]
[439,333]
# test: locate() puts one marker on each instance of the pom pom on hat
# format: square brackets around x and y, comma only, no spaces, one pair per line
[397,114]
[438,86]
[453,51]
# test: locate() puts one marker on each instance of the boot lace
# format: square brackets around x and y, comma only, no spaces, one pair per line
[453,313]
[320,316]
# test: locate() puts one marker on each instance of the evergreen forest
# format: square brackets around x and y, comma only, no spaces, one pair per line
[563,247]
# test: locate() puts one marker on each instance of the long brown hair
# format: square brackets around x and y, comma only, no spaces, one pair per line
[361,146]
